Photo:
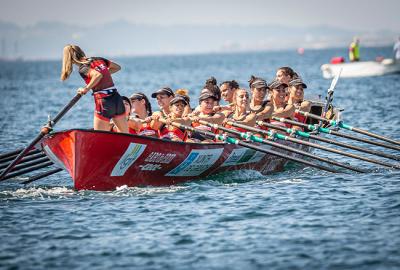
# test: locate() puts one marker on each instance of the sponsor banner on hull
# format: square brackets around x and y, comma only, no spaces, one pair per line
[241,156]
[128,158]
[197,162]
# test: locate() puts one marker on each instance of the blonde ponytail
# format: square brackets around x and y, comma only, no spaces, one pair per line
[72,54]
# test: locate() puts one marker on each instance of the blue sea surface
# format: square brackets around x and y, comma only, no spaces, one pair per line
[301,218]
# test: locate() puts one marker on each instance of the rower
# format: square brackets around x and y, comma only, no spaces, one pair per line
[227,89]
[280,106]
[296,98]
[169,132]
[185,94]
[140,115]
[205,112]
[164,96]
[284,75]
[241,113]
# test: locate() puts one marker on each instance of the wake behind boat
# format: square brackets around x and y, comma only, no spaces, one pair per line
[361,69]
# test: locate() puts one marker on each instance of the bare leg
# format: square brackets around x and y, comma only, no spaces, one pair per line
[121,123]
[100,124]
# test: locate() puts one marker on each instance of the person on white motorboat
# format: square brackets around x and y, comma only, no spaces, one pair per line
[396,50]
[354,50]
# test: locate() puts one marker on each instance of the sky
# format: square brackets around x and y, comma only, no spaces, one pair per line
[359,15]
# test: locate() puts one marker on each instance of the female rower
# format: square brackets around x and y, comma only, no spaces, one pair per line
[259,89]
[96,72]
[163,96]
[281,108]
[285,74]
[185,94]
[296,98]
[206,112]
[140,115]
[168,131]
[227,89]
[241,113]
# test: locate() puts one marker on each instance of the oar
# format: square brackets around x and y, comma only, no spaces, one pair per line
[318,138]
[24,163]
[251,146]
[12,157]
[27,170]
[12,153]
[41,175]
[25,159]
[249,136]
[341,124]
[279,136]
[45,130]
[333,132]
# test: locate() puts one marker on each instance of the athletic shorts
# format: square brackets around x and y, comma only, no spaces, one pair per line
[108,104]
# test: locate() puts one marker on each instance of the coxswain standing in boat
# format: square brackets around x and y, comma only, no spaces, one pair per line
[281,108]
[141,115]
[354,50]
[96,72]
[168,131]
[205,112]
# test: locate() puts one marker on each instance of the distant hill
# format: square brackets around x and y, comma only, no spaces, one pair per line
[45,40]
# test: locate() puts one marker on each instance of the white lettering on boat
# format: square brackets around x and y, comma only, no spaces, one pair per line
[131,154]
[150,167]
[197,162]
[157,157]
[240,156]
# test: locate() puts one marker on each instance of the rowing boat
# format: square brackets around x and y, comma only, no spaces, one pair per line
[99,160]
[361,69]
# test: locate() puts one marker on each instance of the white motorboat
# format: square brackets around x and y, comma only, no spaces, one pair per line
[361,69]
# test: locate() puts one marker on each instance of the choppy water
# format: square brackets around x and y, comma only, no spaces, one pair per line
[298,219]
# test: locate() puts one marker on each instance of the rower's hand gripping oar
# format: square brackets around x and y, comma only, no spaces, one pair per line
[252,137]
[341,124]
[274,135]
[251,146]
[45,130]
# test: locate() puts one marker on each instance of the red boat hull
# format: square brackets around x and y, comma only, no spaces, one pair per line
[102,161]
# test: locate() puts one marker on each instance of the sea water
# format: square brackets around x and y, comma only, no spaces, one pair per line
[301,218]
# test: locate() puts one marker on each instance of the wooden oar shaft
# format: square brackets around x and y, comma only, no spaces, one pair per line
[42,133]
[318,138]
[318,146]
[288,148]
[345,126]
[336,133]
[269,151]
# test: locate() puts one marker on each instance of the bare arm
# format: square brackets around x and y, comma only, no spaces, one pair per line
[95,79]
[250,120]
[305,106]
[217,118]
[114,67]
[284,112]
[266,113]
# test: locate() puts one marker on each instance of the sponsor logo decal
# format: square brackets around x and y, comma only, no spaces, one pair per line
[150,167]
[131,154]
[157,157]
[240,156]
[197,162]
